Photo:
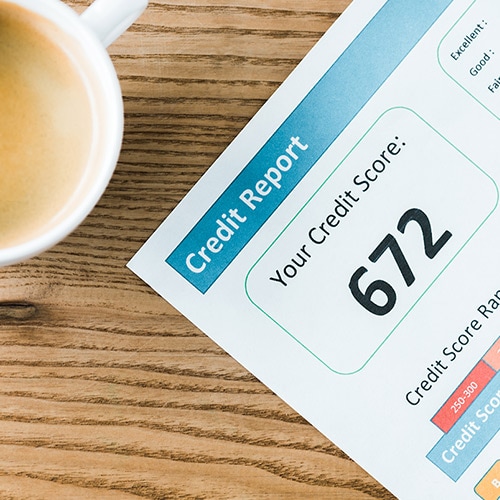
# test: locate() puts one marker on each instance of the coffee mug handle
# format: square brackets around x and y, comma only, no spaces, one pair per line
[111,18]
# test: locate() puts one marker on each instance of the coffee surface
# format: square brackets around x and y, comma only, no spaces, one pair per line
[45,125]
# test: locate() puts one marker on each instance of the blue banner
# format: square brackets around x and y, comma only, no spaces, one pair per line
[263,184]
[457,449]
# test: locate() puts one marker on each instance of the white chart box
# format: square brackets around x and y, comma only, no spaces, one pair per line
[470,53]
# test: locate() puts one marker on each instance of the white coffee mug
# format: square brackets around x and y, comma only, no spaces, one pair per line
[91,32]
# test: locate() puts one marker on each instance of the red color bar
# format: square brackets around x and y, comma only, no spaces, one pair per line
[463,397]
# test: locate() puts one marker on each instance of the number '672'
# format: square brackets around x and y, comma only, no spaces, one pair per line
[431,249]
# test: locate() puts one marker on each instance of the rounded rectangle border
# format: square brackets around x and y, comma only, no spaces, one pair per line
[302,344]
[455,80]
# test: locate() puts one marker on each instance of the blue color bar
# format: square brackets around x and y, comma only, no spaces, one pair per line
[456,451]
[260,188]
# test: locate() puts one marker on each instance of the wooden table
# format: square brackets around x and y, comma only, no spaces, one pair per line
[105,390]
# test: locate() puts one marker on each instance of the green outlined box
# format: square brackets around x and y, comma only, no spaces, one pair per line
[302,281]
[469,53]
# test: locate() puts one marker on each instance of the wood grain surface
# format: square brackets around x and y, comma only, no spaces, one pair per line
[106,391]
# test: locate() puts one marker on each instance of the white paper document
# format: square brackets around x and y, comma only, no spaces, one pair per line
[345,248]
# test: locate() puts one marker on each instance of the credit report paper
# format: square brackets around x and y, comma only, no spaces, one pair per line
[345,248]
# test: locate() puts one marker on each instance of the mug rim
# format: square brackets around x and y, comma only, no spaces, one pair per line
[67,20]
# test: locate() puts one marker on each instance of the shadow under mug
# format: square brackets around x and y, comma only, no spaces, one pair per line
[86,39]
